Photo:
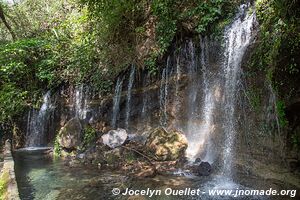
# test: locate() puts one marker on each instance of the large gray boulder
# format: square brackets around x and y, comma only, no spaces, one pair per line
[114,138]
[166,145]
[69,136]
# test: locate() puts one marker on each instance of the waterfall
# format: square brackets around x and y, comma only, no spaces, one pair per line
[210,86]
[145,98]
[129,88]
[178,75]
[193,128]
[81,101]
[163,97]
[199,133]
[37,122]
[237,39]
[116,102]
[176,103]
[209,100]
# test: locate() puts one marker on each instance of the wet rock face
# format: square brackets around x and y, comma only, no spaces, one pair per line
[166,146]
[115,138]
[69,136]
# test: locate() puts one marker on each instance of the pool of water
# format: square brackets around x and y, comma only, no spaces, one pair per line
[40,177]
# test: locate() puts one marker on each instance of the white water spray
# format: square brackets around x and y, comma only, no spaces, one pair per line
[128,102]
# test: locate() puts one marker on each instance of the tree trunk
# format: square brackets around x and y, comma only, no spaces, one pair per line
[2,16]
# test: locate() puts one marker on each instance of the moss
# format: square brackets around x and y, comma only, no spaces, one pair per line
[296,138]
[112,157]
[89,136]
[254,95]
[280,108]
[57,148]
[165,145]
[4,180]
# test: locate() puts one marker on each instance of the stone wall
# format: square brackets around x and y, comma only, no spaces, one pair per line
[8,175]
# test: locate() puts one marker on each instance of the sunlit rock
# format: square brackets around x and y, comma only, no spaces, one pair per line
[114,138]
[164,145]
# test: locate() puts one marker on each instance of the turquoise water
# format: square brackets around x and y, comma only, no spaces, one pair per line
[40,177]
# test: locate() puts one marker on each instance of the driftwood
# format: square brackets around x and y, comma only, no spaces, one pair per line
[136,151]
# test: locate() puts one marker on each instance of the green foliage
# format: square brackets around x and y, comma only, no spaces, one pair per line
[57,148]
[280,108]
[33,18]
[4,179]
[89,135]
[12,102]
[210,12]
[130,156]
[254,95]
[24,69]
[117,26]
[277,53]
[151,65]
[204,17]
[296,140]
[124,25]
[166,12]
[25,61]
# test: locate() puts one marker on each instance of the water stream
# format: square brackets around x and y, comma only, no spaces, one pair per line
[237,37]
[37,122]
[163,98]
[128,102]
[116,102]
[81,101]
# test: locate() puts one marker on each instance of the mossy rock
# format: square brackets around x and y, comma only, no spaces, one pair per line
[69,137]
[166,145]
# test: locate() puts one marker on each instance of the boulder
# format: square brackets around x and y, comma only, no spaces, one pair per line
[166,146]
[203,169]
[69,136]
[197,160]
[114,138]
[141,139]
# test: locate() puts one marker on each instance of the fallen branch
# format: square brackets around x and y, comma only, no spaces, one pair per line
[136,151]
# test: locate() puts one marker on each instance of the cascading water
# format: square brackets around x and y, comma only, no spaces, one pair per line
[37,123]
[213,82]
[163,98]
[192,128]
[145,99]
[237,39]
[129,88]
[116,102]
[210,84]
[199,133]
[178,76]
[80,101]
